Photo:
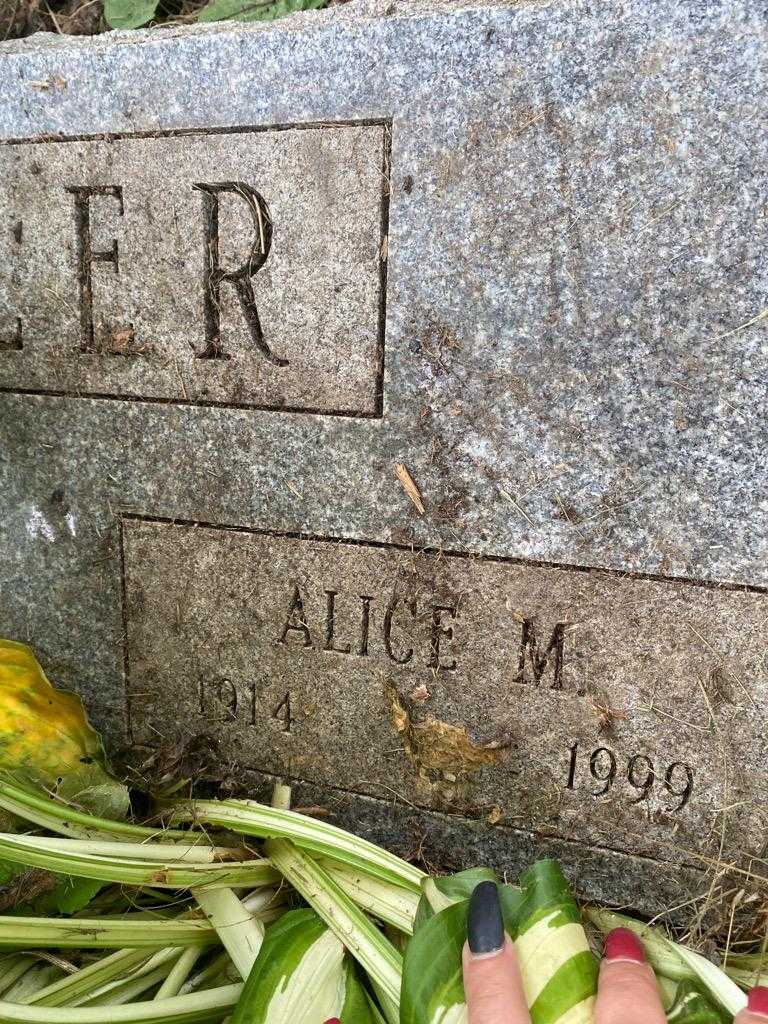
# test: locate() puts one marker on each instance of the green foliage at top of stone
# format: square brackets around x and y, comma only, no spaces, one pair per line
[135,13]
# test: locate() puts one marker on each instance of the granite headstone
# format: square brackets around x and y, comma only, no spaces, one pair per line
[383,407]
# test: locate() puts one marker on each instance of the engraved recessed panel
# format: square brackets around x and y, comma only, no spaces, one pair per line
[624,712]
[239,268]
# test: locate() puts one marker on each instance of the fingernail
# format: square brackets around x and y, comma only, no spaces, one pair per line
[623,944]
[333,1020]
[757,1000]
[485,925]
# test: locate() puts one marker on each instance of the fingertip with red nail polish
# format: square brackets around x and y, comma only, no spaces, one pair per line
[623,944]
[757,1000]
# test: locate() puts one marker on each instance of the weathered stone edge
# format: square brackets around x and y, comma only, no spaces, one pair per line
[356,11]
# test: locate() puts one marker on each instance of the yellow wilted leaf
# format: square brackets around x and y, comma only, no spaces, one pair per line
[45,735]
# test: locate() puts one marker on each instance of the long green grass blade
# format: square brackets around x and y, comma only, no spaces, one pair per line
[250,818]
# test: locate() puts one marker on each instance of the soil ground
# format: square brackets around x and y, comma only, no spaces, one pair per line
[81,17]
[75,17]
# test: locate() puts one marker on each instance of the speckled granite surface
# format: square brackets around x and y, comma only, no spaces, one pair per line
[577,235]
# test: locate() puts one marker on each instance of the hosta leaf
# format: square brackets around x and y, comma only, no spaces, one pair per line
[255,10]
[692,1006]
[461,885]
[129,13]
[357,1008]
[433,990]
[440,892]
[559,972]
[299,975]
[70,895]
[373,951]
[715,981]
[45,736]
[26,891]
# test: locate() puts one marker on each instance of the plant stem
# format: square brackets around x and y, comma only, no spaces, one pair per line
[239,932]
[390,903]
[65,858]
[250,818]
[179,973]
[70,990]
[133,931]
[12,968]
[364,941]
[198,1008]
[204,977]
[125,988]
[28,803]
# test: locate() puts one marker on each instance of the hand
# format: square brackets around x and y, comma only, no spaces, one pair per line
[627,990]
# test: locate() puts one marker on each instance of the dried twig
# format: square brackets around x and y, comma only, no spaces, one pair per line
[409,486]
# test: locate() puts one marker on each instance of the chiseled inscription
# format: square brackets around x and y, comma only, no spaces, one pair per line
[577,703]
[236,268]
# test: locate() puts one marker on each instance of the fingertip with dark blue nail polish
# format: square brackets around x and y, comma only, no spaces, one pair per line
[485,924]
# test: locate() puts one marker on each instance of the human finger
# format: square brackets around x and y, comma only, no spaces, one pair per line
[492,982]
[627,992]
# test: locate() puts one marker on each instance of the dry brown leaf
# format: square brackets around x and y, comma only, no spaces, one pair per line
[439,746]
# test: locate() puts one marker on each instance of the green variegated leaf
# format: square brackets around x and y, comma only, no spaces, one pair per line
[461,885]
[441,892]
[559,972]
[372,950]
[298,977]
[357,1008]
[692,1006]
[255,10]
[433,990]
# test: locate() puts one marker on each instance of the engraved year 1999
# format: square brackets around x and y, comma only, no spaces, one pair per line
[639,772]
